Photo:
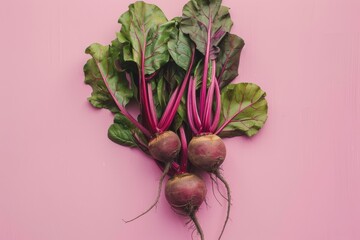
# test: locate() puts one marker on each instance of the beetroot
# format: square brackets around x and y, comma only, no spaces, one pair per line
[153,62]
[185,193]
[165,147]
[207,152]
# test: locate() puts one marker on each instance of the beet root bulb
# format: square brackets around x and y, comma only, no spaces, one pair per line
[207,152]
[185,193]
[165,147]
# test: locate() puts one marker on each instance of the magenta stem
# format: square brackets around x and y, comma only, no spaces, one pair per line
[151,76]
[218,107]
[143,147]
[175,166]
[184,150]
[121,107]
[195,113]
[205,74]
[170,116]
[209,100]
[144,100]
[168,108]
[189,107]
[152,106]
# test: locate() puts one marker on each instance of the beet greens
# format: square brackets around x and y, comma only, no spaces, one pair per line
[208,24]
[179,74]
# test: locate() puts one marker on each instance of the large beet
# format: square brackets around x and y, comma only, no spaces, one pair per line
[207,152]
[165,147]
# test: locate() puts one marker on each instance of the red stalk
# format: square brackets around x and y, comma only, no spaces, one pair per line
[148,78]
[209,99]
[121,107]
[218,107]
[152,106]
[170,116]
[205,74]
[184,151]
[189,106]
[144,102]
[168,108]
[144,95]
[195,114]
[139,141]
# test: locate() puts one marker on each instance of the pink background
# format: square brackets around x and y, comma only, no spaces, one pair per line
[299,178]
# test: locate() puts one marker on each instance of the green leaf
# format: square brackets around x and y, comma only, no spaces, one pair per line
[145,32]
[122,131]
[201,17]
[101,69]
[180,49]
[165,82]
[228,60]
[100,97]
[161,95]
[244,109]
[174,75]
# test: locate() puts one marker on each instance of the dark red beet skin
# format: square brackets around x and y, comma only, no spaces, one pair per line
[165,147]
[207,152]
[185,193]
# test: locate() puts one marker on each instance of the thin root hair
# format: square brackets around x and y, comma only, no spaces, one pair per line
[197,225]
[166,170]
[212,189]
[222,179]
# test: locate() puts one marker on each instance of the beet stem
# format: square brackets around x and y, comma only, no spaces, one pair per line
[184,150]
[144,95]
[197,225]
[190,110]
[194,107]
[151,76]
[151,105]
[219,176]
[121,107]
[217,109]
[205,74]
[209,100]
[180,94]
[140,143]
[168,108]
[166,170]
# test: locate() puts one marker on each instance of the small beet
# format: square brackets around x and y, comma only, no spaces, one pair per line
[165,147]
[185,193]
[207,152]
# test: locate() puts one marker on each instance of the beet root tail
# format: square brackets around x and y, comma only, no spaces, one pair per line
[165,172]
[197,225]
[222,179]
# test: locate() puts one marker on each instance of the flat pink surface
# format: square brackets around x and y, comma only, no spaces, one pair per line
[298,179]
